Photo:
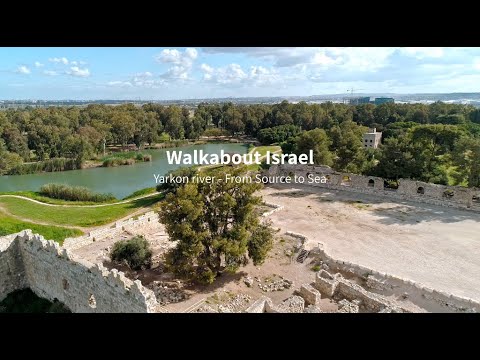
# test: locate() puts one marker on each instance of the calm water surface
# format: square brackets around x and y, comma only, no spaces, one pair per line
[120,181]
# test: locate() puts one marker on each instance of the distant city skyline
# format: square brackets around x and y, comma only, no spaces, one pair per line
[201,73]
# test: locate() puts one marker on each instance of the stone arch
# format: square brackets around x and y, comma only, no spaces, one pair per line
[371,183]
[346,181]
[421,190]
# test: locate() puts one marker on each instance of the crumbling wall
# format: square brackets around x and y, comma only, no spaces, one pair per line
[450,196]
[12,273]
[117,229]
[328,284]
[52,272]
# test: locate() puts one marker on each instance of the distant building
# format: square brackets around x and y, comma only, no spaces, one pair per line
[372,138]
[383,100]
[359,100]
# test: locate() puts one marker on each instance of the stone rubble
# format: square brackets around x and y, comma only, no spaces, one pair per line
[276,285]
[293,304]
[167,293]
[345,306]
[312,309]
[236,304]
[248,281]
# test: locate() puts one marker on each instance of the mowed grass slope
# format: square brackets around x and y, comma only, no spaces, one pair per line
[72,215]
[9,225]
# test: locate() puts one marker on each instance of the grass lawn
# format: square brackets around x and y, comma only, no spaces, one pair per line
[73,215]
[263,149]
[39,197]
[9,225]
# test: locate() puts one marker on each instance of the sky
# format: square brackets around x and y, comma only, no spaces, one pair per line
[189,73]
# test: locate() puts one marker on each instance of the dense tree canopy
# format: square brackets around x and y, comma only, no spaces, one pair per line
[437,133]
[216,227]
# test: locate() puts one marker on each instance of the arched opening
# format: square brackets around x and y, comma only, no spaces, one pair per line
[421,190]
[329,180]
[65,284]
[448,194]
[371,183]
[92,302]
[476,198]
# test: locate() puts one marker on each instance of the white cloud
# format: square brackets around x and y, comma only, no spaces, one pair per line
[76,71]
[422,52]
[38,64]
[62,60]
[182,62]
[144,74]
[74,63]
[235,75]
[476,63]
[22,69]
[139,80]
[120,83]
[50,72]
[191,53]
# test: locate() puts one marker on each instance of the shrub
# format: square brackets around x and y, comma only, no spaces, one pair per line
[51,165]
[73,193]
[316,268]
[126,158]
[135,253]
[215,132]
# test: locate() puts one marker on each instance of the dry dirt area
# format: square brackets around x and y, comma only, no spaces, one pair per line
[436,246]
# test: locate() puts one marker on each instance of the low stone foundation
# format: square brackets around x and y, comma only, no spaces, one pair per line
[118,228]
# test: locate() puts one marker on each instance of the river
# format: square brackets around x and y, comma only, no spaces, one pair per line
[120,181]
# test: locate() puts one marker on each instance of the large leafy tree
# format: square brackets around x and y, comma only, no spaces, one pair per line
[466,156]
[318,141]
[216,227]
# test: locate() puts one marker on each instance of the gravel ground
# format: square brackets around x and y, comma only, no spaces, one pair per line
[436,246]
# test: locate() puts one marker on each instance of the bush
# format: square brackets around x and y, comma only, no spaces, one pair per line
[135,253]
[73,193]
[215,132]
[51,165]
[126,158]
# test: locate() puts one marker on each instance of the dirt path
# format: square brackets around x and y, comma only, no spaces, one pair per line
[91,206]
[39,222]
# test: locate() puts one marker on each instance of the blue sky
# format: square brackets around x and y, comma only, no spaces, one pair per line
[182,73]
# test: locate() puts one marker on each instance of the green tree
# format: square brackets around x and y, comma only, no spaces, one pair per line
[135,253]
[216,227]
[318,141]
[466,157]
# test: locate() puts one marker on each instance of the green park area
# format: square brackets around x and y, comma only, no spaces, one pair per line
[56,220]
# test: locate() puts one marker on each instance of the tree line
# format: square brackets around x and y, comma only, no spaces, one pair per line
[438,142]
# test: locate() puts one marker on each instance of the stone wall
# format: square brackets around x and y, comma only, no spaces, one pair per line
[328,284]
[52,272]
[117,229]
[451,196]
[12,272]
